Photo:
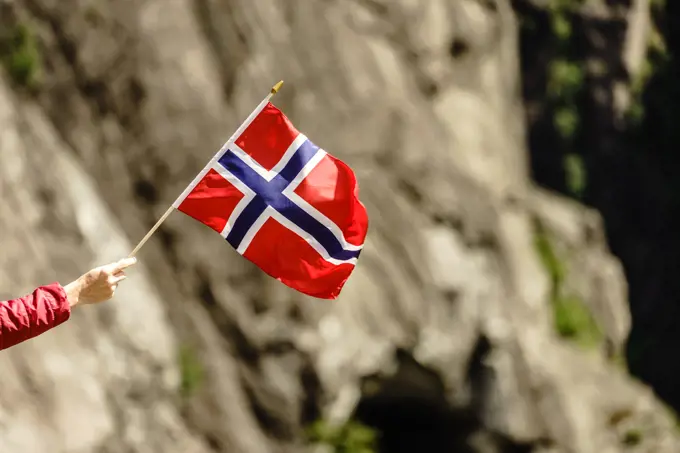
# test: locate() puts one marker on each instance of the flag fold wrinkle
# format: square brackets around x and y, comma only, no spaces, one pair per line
[283,203]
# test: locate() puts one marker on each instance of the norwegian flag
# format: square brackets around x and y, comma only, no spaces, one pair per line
[283,203]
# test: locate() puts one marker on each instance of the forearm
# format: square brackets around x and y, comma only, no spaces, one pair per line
[29,316]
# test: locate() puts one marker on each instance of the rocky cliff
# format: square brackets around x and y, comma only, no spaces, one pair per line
[486,314]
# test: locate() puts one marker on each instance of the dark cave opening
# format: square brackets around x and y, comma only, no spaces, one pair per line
[410,413]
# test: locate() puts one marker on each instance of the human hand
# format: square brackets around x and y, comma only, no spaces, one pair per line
[99,284]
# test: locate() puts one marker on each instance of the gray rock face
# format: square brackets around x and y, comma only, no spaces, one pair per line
[450,311]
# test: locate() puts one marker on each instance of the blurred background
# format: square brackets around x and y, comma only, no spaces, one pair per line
[517,292]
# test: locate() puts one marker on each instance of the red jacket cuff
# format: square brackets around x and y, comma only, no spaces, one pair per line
[62,307]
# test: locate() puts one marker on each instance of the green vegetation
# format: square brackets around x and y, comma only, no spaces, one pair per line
[351,437]
[556,270]
[20,56]
[572,318]
[191,371]
[566,80]
[565,74]
[632,437]
[576,173]
[566,121]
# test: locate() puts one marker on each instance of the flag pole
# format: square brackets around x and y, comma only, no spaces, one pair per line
[275,89]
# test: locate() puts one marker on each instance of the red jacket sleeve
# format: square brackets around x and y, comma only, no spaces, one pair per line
[29,316]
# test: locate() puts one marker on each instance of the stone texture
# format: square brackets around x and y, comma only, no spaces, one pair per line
[449,307]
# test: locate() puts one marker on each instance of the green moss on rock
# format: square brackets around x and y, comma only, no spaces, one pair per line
[574,321]
[20,55]
[351,437]
[576,174]
[552,264]
[571,316]
[632,437]
[191,371]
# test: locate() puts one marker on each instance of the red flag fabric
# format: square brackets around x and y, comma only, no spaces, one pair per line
[283,203]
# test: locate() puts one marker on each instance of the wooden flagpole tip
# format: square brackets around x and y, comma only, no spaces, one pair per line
[277,87]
